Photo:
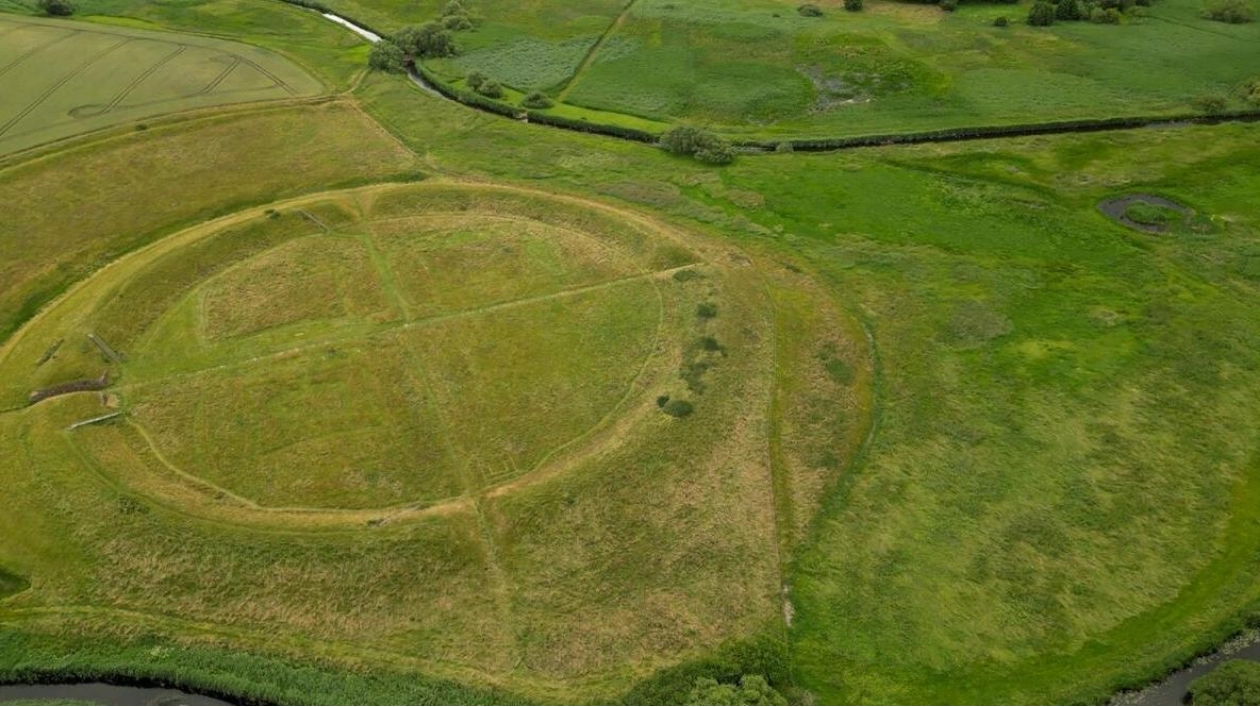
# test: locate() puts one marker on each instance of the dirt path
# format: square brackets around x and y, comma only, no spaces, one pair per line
[590,53]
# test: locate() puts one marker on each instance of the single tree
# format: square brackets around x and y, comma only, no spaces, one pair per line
[1041,14]
[1068,10]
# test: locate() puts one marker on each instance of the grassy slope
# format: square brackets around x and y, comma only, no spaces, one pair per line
[218,165]
[1054,395]
[474,600]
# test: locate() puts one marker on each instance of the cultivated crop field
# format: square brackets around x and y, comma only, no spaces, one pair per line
[360,395]
[61,79]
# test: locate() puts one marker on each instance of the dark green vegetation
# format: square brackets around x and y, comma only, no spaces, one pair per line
[892,425]
[1236,682]
[1234,12]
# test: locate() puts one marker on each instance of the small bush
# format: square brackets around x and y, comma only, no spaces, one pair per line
[454,7]
[56,8]
[709,343]
[490,89]
[706,310]
[717,154]
[949,5]
[661,400]
[1234,12]
[784,147]
[1001,22]
[1235,682]
[809,9]
[457,23]
[1150,214]
[388,57]
[537,100]
[1249,90]
[1210,104]
[853,5]
[1041,14]
[678,408]
[475,79]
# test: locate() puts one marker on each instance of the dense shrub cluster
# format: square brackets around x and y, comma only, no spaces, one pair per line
[749,690]
[1237,682]
[455,17]
[1109,12]
[699,143]
[388,57]
[56,8]
[427,41]
[1235,12]
[537,100]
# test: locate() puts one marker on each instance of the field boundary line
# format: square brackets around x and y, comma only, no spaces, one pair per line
[36,50]
[256,67]
[61,82]
[236,61]
[126,90]
[589,57]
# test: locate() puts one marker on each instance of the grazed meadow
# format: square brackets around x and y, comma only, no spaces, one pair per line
[955,434]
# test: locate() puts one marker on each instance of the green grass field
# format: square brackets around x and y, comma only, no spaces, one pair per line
[757,68]
[410,403]
[62,79]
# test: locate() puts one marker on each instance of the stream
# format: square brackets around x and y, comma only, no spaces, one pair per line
[1174,689]
[99,693]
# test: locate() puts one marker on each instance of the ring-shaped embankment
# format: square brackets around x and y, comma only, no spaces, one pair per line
[367,356]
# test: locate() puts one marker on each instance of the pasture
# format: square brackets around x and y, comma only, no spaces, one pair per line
[60,79]
[759,69]
[405,402]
